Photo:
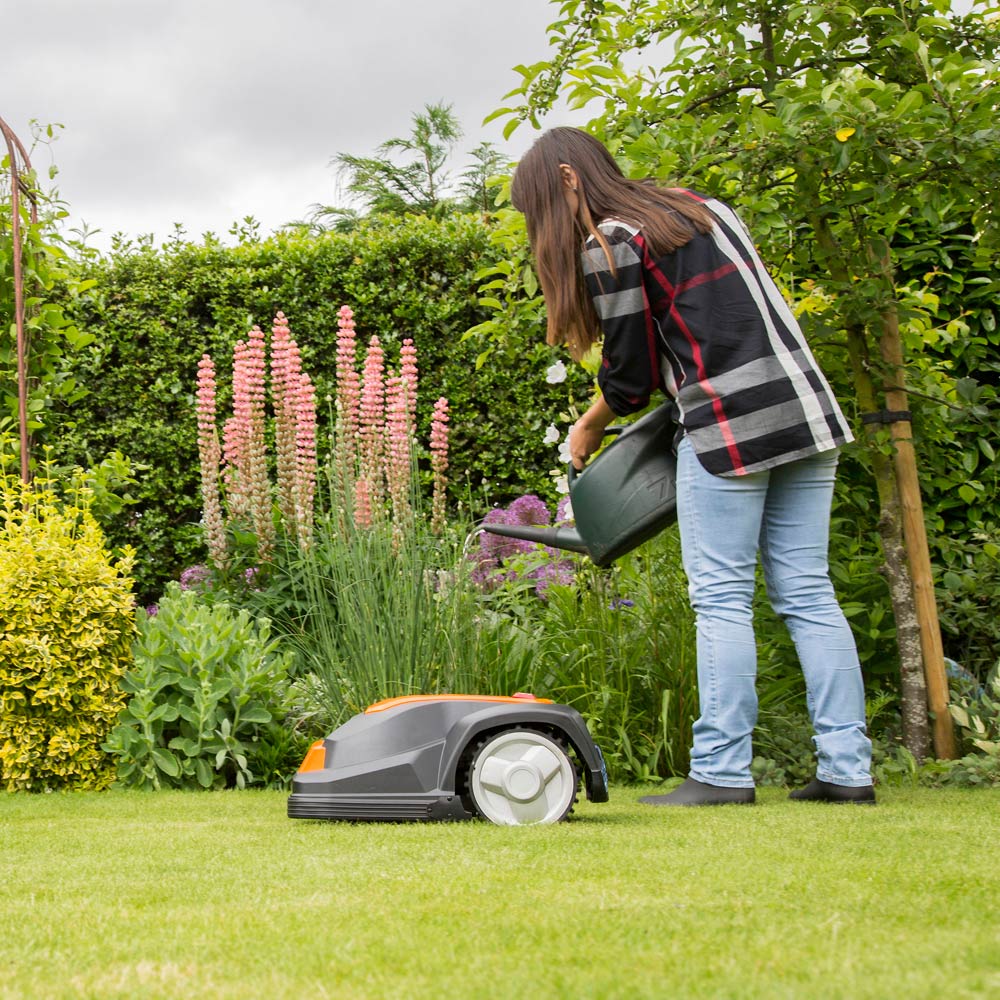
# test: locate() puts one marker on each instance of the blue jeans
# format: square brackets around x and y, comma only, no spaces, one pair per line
[784,514]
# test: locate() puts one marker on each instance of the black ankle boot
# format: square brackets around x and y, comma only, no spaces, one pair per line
[826,791]
[697,793]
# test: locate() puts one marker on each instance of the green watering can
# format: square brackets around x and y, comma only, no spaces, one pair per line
[624,497]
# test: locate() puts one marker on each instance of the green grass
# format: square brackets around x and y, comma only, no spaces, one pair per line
[190,895]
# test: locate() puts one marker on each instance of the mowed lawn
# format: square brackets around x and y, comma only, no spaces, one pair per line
[188,895]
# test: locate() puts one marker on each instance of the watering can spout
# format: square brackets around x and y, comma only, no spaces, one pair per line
[562,537]
[627,494]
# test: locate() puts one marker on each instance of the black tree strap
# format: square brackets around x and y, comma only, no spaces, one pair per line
[886,417]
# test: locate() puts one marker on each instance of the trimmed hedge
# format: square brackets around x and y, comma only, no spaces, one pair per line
[155,312]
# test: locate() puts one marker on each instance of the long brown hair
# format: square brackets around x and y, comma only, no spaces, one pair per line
[668,219]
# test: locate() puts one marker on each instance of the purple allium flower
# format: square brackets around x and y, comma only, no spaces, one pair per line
[152,610]
[559,573]
[496,548]
[529,509]
[195,577]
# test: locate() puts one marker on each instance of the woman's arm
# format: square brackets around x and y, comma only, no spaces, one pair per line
[586,434]
[630,362]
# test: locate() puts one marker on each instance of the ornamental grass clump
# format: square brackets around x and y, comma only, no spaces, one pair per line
[66,626]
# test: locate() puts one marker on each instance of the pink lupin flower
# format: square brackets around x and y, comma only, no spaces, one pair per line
[348,400]
[209,458]
[362,504]
[408,372]
[285,373]
[348,382]
[439,463]
[305,457]
[371,431]
[248,410]
[397,466]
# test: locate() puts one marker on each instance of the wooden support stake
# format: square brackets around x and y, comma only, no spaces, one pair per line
[915,536]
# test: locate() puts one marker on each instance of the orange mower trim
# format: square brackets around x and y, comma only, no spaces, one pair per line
[516,699]
[315,759]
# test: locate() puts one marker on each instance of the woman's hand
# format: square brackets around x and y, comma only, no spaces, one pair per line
[586,435]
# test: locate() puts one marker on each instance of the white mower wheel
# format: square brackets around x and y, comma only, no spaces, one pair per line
[521,777]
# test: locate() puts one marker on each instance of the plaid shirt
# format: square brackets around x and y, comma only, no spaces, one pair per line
[708,326]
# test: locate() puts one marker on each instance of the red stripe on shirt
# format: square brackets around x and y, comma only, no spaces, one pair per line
[728,438]
[701,279]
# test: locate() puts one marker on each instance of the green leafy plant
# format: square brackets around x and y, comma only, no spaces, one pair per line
[66,624]
[975,708]
[977,712]
[207,682]
[374,614]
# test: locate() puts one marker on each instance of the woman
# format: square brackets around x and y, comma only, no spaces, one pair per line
[671,281]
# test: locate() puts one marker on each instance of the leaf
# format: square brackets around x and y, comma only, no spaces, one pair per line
[911,101]
[256,713]
[166,762]
[183,743]
[203,772]
[967,493]
[164,711]
[959,715]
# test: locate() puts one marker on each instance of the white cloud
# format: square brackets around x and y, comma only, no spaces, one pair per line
[204,111]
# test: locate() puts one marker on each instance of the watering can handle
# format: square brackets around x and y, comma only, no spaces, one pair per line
[572,473]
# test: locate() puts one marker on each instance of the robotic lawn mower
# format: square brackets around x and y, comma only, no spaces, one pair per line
[511,760]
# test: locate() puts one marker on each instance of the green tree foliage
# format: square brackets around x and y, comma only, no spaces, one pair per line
[481,182]
[409,174]
[418,183]
[158,311]
[50,280]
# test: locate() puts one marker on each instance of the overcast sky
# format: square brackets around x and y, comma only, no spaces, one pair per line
[204,111]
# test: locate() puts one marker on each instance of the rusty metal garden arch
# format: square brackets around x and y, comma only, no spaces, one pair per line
[20,171]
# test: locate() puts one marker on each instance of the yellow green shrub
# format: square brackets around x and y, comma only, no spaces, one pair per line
[66,627]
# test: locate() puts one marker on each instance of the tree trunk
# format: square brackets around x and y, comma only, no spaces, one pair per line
[913,687]
[914,529]
[895,569]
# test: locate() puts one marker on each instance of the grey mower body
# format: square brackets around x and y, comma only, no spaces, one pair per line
[512,760]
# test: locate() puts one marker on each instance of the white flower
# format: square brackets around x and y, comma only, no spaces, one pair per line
[564,455]
[551,434]
[562,484]
[555,373]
